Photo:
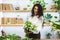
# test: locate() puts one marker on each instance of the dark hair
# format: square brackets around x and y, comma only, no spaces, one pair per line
[40,10]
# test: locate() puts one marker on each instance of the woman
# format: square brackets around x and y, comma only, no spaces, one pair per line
[36,19]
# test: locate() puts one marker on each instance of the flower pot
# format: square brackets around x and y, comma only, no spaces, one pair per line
[27,31]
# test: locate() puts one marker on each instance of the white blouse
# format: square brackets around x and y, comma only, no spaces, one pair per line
[38,22]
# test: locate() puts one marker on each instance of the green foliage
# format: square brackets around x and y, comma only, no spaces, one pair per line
[38,2]
[47,17]
[27,38]
[57,3]
[48,35]
[11,37]
[55,17]
[56,25]
[29,26]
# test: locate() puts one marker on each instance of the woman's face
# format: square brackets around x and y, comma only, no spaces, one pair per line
[35,10]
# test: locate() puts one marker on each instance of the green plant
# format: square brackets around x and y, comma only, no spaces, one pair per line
[38,2]
[47,17]
[27,38]
[55,17]
[29,26]
[11,37]
[56,25]
[3,38]
[48,35]
[57,3]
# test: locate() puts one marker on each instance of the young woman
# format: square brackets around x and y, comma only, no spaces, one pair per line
[36,19]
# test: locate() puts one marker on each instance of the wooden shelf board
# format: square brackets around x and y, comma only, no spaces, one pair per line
[14,10]
[11,24]
[25,10]
[47,24]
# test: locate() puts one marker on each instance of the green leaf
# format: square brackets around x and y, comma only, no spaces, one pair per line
[28,5]
[55,17]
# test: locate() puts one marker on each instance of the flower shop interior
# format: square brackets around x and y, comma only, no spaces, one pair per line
[14,13]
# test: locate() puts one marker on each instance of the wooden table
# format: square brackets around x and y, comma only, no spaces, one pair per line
[50,39]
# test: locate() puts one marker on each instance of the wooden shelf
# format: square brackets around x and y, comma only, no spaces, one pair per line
[47,24]
[25,10]
[11,24]
[14,10]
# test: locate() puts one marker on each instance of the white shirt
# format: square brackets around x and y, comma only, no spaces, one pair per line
[38,22]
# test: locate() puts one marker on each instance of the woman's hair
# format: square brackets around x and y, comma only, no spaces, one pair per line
[40,10]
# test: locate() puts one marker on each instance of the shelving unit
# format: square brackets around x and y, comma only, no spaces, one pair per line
[22,11]
[9,9]
[11,22]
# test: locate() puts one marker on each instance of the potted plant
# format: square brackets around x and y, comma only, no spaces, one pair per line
[57,3]
[17,8]
[54,8]
[29,27]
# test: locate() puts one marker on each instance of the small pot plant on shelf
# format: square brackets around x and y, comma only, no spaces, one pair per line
[57,3]
[29,27]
